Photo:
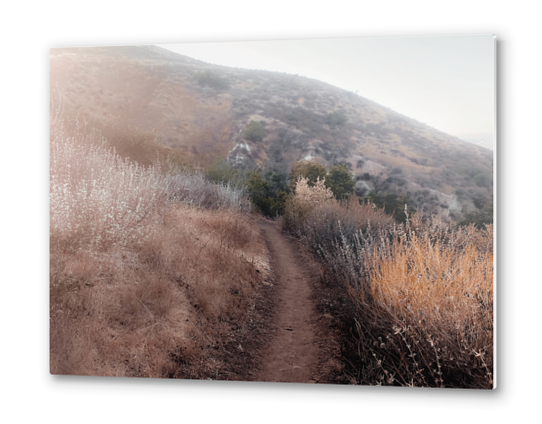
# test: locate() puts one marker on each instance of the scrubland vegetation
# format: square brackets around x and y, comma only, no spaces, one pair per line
[156,267]
[420,295]
[152,274]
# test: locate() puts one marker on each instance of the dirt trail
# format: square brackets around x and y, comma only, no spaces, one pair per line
[293,354]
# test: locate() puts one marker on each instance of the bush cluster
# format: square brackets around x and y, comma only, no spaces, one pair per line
[338,179]
[98,199]
[480,217]
[267,191]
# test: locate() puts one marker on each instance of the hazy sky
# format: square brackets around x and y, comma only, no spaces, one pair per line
[446,82]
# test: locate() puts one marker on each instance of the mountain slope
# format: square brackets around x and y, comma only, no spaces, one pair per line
[203,110]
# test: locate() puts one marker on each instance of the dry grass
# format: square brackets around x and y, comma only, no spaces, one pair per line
[119,95]
[425,315]
[420,295]
[314,215]
[194,188]
[145,281]
[328,220]
[145,310]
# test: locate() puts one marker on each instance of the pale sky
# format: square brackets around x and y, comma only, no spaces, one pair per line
[446,82]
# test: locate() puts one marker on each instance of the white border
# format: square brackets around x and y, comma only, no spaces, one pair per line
[495,223]
[31,28]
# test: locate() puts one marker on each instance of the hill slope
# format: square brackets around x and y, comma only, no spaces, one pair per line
[203,110]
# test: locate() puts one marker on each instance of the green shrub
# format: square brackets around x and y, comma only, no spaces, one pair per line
[340,181]
[480,218]
[211,79]
[393,204]
[221,172]
[254,131]
[268,192]
[309,169]
[335,118]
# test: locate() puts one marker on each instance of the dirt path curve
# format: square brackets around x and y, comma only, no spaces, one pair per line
[293,354]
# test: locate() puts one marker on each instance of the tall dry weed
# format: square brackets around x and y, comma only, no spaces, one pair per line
[425,315]
[341,220]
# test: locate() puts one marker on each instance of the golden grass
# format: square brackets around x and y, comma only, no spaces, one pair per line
[427,316]
[426,281]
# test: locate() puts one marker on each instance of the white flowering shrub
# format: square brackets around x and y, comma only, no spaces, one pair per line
[306,198]
[97,198]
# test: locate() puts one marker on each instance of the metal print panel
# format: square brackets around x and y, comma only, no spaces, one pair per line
[310,211]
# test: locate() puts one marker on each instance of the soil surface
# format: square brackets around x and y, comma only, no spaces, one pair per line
[294,354]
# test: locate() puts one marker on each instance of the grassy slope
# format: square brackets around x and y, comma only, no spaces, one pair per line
[152,274]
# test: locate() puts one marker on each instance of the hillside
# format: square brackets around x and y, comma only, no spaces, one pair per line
[203,111]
